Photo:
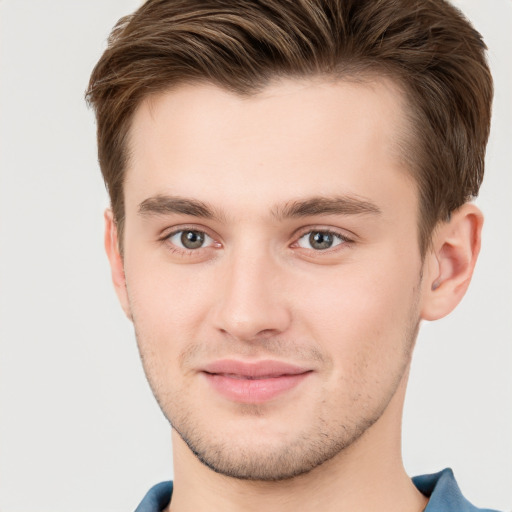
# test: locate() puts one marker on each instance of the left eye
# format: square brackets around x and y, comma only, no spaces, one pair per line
[190,239]
[320,240]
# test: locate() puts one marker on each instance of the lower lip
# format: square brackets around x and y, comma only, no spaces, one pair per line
[254,391]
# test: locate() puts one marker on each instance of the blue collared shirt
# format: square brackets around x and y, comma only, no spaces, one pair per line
[441,489]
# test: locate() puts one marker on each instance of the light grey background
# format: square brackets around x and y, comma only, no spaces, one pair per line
[79,429]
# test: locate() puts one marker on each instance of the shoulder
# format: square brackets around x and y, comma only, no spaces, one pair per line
[444,493]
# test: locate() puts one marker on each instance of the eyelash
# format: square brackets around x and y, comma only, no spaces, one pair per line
[344,240]
[182,251]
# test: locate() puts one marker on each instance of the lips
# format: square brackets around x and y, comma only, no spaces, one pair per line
[253,382]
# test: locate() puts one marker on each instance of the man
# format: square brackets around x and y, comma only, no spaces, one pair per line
[290,186]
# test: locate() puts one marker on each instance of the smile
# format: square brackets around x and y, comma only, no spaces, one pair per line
[253,382]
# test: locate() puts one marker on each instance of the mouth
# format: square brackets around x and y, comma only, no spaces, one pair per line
[253,382]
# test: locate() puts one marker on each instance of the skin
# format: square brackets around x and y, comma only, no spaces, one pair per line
[257,176]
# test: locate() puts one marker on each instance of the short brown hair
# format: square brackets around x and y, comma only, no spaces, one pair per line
[427,46]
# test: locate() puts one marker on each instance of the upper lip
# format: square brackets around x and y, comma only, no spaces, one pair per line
[254,370]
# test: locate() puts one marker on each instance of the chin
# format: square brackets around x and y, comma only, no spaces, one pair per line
[258,456]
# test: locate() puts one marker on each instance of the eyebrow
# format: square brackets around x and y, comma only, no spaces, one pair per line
[165,205]
[338,205]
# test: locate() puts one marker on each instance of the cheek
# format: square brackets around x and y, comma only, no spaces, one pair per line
[364,313]
[168,303]
[366,324]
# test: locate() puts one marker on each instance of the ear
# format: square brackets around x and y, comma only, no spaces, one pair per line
[116,261]
[450,262]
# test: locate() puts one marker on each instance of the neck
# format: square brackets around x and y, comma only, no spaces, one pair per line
[366,476]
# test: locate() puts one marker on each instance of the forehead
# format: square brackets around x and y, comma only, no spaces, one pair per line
[293,138]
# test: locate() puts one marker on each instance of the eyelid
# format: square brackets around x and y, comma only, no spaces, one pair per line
[345,235]
[172,230]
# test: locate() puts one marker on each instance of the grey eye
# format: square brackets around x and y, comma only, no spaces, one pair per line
[319,240]
[190,239]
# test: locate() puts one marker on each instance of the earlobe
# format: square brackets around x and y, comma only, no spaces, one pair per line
[116,261]
[450,262]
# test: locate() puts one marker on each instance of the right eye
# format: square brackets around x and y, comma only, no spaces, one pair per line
[190,239]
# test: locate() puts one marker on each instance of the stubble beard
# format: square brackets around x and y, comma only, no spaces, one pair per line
[320,442]
[270,463]
[256,461]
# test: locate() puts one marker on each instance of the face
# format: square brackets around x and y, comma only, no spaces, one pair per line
[272,268]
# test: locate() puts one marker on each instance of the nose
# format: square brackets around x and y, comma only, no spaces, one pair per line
[251,297]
